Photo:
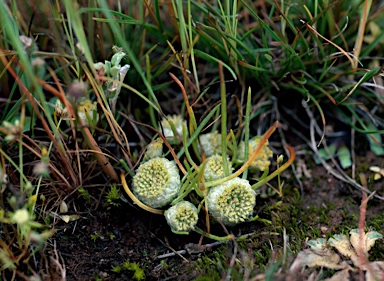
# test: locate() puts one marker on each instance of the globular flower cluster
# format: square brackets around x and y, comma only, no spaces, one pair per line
[182,217]
[211,143]
[87,111]
[229,200]
[261,161]
[178,121]
[214,168]
[154,149]
[157,182]
[232,202]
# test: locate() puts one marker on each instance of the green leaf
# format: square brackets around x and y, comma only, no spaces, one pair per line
[344,156]
[324,154]
[116,58]
[376,147]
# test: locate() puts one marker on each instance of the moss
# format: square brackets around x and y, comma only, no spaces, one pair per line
[137,271]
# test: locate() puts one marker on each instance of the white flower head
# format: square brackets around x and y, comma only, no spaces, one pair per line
[182,217]
[21,216]
[232,202]
[214,169]
[60,109]
[261,162]
[211,143]
[178,121]
[156,182]
[154,149]
[13,130]
[87,111]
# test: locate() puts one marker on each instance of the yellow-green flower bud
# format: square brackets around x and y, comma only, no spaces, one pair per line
[232,202]
[261,161]
[214,169]
[182,217]
[156,182]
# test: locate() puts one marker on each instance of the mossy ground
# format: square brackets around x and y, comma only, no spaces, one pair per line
[326,207]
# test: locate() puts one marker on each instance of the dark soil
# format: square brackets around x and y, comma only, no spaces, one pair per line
[91,246]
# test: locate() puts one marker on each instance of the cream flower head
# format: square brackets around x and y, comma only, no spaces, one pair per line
[154,149]
[156,182]
[182,217]
[261,161]
[178,121]
[88,110]
[211,143]
[214,169]
[232,202]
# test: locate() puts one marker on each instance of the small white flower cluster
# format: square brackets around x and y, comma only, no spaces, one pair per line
[86,110]
[210,143]
[154,149]
[177,121]
[14,130]
[262,160]
[182,217]
[232,202]
[214,168]
[157,181]
[156,184]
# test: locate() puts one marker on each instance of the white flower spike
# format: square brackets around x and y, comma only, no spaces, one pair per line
[156,182]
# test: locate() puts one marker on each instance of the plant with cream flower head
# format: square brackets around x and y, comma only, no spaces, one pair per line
[87,112]
[172,127]
[214,169]
[261,162]
[232,202]
[211,143]
[154,149]
[157,182]
[182,217]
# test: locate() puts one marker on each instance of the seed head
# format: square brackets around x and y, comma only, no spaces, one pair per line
[77,90]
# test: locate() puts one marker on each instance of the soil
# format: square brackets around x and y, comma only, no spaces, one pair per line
[101,239]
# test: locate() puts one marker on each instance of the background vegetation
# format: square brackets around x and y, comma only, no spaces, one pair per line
[316,66]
